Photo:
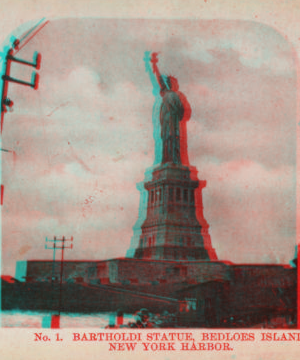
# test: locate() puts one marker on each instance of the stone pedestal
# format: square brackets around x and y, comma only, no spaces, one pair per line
[171,230]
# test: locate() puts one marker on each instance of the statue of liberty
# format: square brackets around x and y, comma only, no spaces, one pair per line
[171,113]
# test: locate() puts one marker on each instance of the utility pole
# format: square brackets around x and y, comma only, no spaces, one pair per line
[58,244]
[17,45]
[6,78]
[53,262]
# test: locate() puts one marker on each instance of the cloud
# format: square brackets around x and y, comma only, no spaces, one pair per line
[241,203]
[257,45]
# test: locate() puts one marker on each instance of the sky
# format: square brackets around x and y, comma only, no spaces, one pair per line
[84,139]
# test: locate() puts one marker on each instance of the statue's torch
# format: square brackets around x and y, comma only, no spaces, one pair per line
[154,61]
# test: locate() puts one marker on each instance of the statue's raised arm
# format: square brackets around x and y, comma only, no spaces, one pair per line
[156,72]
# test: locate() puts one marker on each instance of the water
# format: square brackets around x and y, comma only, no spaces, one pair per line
[31,319]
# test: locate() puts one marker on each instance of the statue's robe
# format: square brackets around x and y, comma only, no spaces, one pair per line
[171,113]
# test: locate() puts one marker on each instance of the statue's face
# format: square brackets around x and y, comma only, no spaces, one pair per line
[169,83]
[165,83]
[173,83]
